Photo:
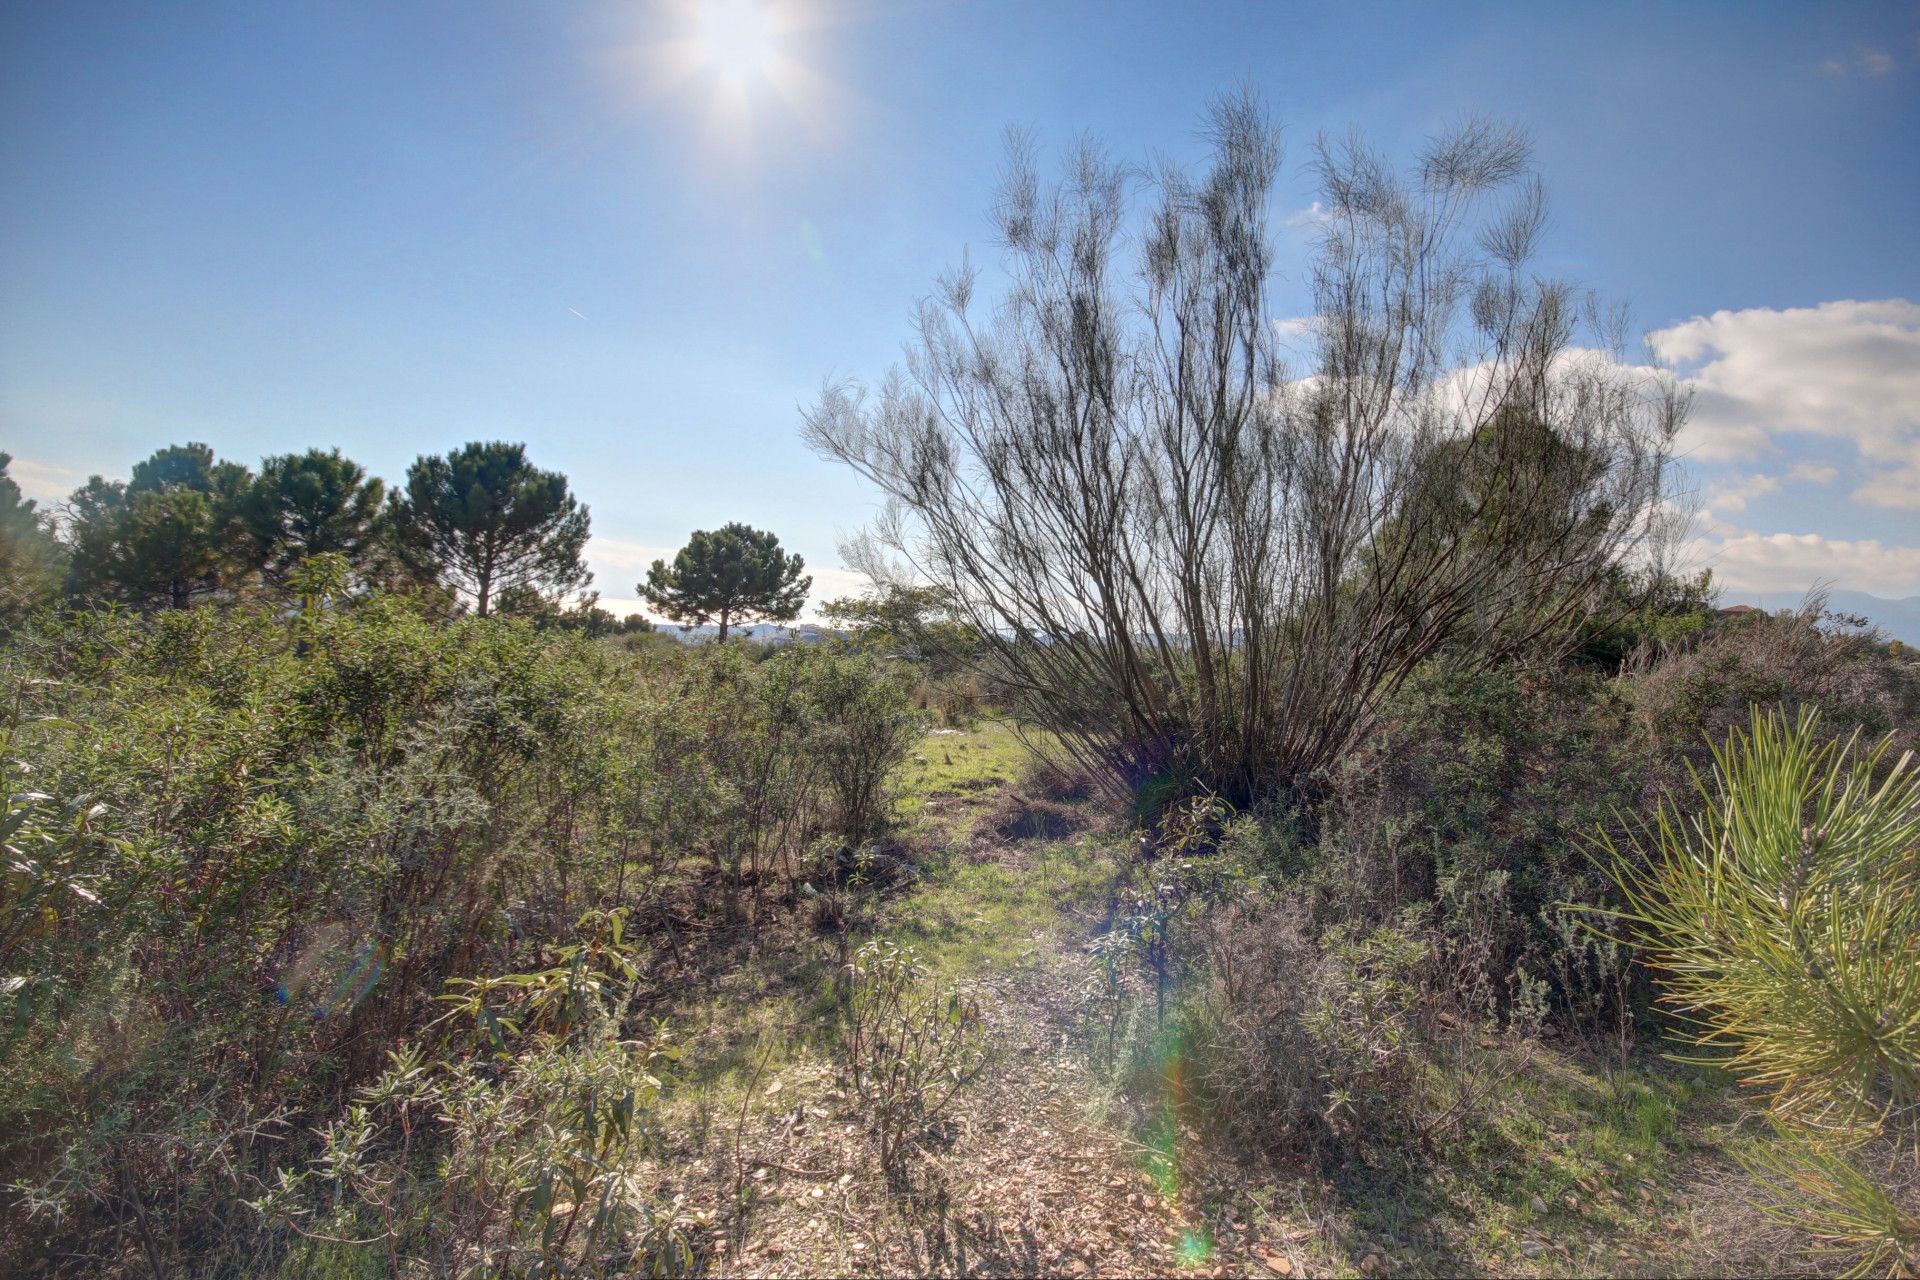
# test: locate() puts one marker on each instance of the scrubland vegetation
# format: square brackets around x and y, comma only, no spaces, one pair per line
[1263,820]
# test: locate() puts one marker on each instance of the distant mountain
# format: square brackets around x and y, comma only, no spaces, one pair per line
[765,632]
[1900,619]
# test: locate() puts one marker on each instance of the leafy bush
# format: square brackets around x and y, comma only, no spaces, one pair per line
[509,1149]
[862,725]
[1475,802]
[909,1046]
[249,849]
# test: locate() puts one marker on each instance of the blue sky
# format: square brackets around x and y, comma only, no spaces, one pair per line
[638,237]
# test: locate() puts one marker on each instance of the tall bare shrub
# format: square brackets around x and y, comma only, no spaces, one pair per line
[1192,559]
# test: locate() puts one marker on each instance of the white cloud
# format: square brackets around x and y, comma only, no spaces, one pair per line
[1745,561]
[1311,216]
[627,557]
[1842,371]
[1733,494]
[1900,488]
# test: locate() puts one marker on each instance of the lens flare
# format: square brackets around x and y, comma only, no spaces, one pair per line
[747,68]
[1158,1153]
[332,972]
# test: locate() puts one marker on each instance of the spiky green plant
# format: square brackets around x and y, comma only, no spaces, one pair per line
[1782,920]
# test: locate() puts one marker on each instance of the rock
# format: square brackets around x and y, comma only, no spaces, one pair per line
[1279,1264]
[1533,1248]
[1537,1205]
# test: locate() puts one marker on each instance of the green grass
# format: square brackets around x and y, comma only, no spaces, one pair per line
[959,772]
[967,917]
[1570,1167]
[971,917]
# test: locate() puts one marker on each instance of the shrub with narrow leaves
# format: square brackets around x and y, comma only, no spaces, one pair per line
[909,1046]
[1782,920]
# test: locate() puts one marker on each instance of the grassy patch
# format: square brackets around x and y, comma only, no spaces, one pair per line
[967,917]
[953,774]
[972,917]
[1573,1166]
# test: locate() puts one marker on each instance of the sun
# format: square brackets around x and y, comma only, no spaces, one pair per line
[737,39]
[745,67]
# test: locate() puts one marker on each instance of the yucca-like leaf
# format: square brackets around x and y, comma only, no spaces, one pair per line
[1784,918]
[1783,923]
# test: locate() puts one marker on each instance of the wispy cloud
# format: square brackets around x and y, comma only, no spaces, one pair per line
[1311,216]
[1734,494]
[618,553]
[1863,61]
[44,482]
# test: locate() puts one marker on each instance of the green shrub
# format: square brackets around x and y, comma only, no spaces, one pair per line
[508,1150]
[1781,919]
[248,850]
[861,725]
[909,1046]
[1474,803]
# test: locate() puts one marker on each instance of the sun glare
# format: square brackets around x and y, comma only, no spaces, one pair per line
[737,37]
[744,65]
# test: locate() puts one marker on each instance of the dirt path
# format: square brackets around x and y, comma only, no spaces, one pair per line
[1031,1177]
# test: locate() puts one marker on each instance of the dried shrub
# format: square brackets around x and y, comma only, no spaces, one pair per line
[1697,692]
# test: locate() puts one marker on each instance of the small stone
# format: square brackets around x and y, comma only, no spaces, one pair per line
[1278,1264]
[1537,1205]
[1533,1248]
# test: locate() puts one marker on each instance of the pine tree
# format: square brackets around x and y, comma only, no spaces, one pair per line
[485,520]
[733,573]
